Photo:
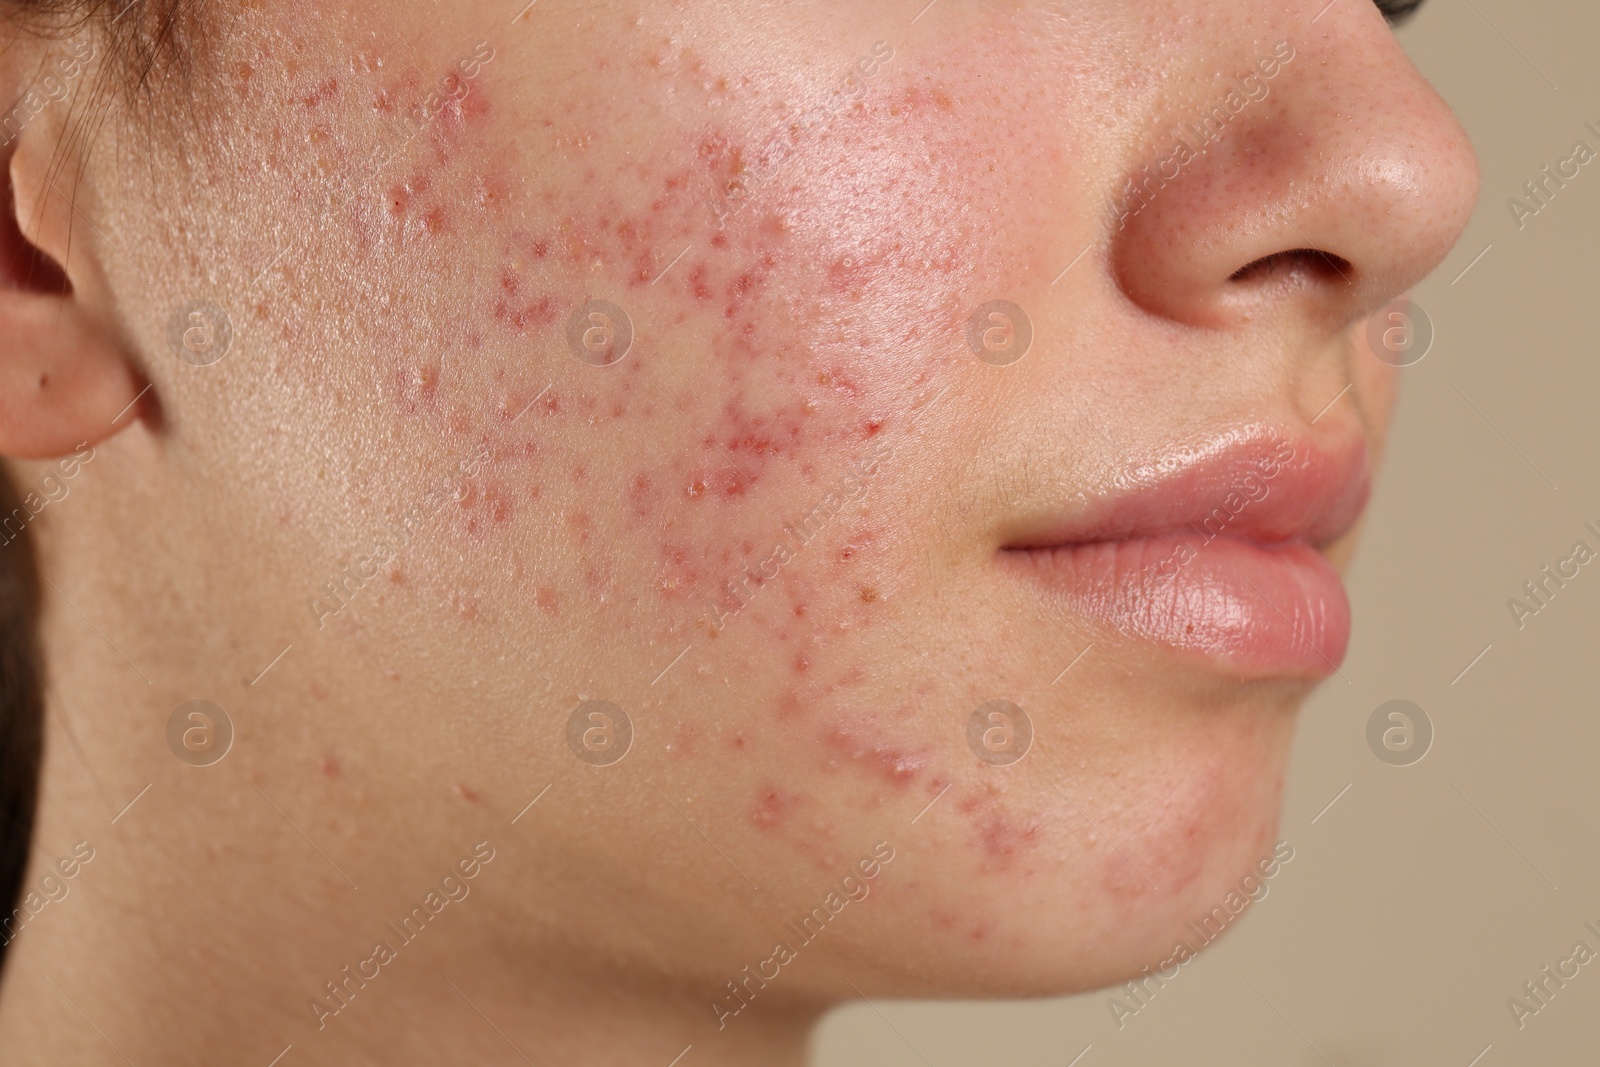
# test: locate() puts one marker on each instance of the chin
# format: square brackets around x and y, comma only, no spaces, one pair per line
[1145,855]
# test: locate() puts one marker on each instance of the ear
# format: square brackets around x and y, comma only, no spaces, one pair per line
[64,378]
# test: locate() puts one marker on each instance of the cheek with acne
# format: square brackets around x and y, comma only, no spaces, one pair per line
[780,341]
[795,280]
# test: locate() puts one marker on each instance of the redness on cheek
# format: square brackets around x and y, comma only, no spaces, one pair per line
[518,310]
[726,439]
[1003,838]
[484,506]
[773,806]
[1199,826]
[878,752]
[947,922]
[322,94]
[778,400]
[796,292]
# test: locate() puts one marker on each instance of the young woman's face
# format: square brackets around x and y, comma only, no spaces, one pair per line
[799,379]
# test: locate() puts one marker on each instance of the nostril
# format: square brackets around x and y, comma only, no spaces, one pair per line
[1310,264]
[1398,11]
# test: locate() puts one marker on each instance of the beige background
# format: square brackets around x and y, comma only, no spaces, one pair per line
[1424,898]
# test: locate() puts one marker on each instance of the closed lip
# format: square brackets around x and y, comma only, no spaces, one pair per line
[1215,551]
[1250,484]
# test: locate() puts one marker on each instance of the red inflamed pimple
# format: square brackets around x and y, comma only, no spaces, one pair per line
[773,806]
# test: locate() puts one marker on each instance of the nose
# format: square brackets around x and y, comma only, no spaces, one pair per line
[1321,184]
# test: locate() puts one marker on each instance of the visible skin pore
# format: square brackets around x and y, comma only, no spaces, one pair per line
[797,250]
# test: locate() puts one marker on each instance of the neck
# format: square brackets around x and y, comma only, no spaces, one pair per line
[167,948]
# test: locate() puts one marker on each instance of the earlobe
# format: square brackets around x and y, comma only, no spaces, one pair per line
[64,378]
[62,381]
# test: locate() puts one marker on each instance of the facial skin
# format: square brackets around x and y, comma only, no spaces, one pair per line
[797,207]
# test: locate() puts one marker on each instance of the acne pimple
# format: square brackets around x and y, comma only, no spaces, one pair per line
[685,739]
[790,706]
[773,806]
[1002,834]
[868,750]
[1005,841]
[321,94]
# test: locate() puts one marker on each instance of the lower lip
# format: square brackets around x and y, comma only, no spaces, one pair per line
[1246,608]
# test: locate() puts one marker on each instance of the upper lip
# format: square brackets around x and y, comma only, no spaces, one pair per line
[1220,487]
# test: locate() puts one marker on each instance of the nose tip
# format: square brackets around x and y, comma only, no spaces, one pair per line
[1345,186]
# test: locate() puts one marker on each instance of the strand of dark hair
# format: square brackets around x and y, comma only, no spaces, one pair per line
[21,707]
